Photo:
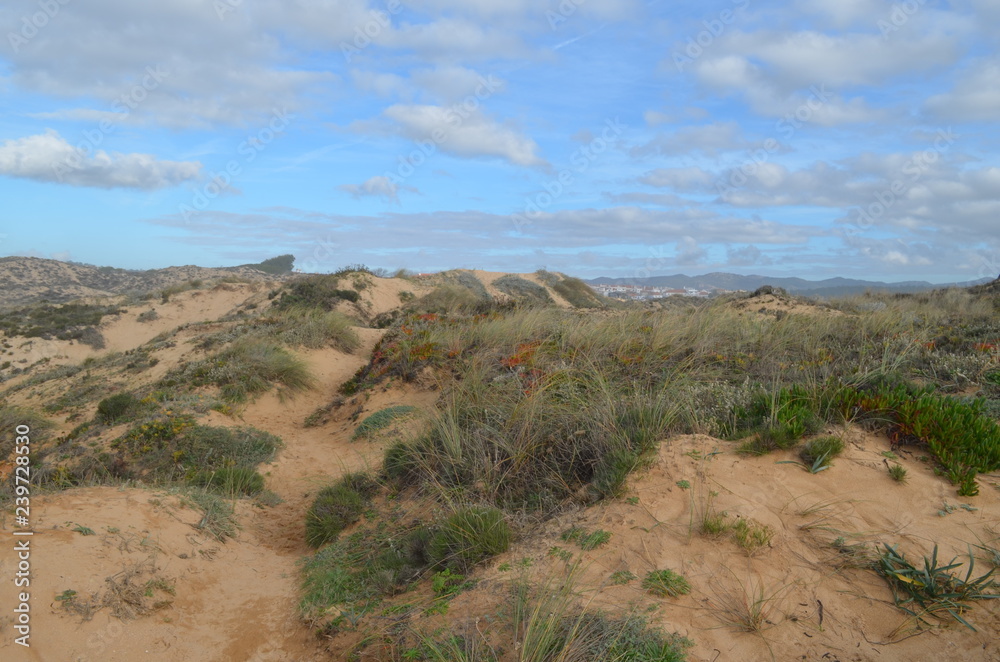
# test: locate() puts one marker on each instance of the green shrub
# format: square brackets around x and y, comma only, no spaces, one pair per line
[230,480]
[469,536]
[665,583]
[961,436]
[117,407]
[315,292]
[577,293]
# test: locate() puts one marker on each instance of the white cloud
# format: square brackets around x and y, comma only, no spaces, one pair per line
[708,139]
[49,158]
[378,186]
[975,97]
[680,179]
[463,132]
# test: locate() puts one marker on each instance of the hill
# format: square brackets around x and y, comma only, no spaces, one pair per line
[27,280]
[502,467]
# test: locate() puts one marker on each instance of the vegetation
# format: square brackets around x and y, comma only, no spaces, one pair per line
[665,583]
[380,420]
[118,407]
[338,506]
[281,264]
[69,321]
[322,292]
[247,368]
[469,536]
[523,290]
[933,591]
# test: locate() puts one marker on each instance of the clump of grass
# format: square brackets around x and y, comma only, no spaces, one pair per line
[548,625]
[469,536]
[777,420]
[715,523]
[230,480]
[118,407]
[449,299]
[380,420]
[315,328]
[252,366]
[217,514]
[664,583]
[577,293]
[897,472]
[338,506]
[818,453]
[752,536]
[586,541]
[622,577]
[932,591]
[746,610]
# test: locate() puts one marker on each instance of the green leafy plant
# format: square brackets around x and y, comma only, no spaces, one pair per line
[117,407]
[818,453]
[933,591]
[586,541]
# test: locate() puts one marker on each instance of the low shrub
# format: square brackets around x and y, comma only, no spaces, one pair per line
[818,453]
[380,420]
[118,407]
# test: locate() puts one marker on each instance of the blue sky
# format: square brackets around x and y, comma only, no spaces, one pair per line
[627,138]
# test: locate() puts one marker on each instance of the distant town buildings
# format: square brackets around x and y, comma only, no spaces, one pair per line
[649,292]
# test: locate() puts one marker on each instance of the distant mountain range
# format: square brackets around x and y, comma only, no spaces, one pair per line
[823,288]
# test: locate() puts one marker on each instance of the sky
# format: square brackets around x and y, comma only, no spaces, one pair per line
[623,138]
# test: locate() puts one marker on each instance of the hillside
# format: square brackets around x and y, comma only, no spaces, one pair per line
[27,280]
[488,466]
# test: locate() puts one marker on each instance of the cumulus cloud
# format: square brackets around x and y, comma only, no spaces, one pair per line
[462,132]
[975,97]
[49,158]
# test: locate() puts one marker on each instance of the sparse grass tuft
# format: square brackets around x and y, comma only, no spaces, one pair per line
[752,536]
[665,583]
[898,473]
